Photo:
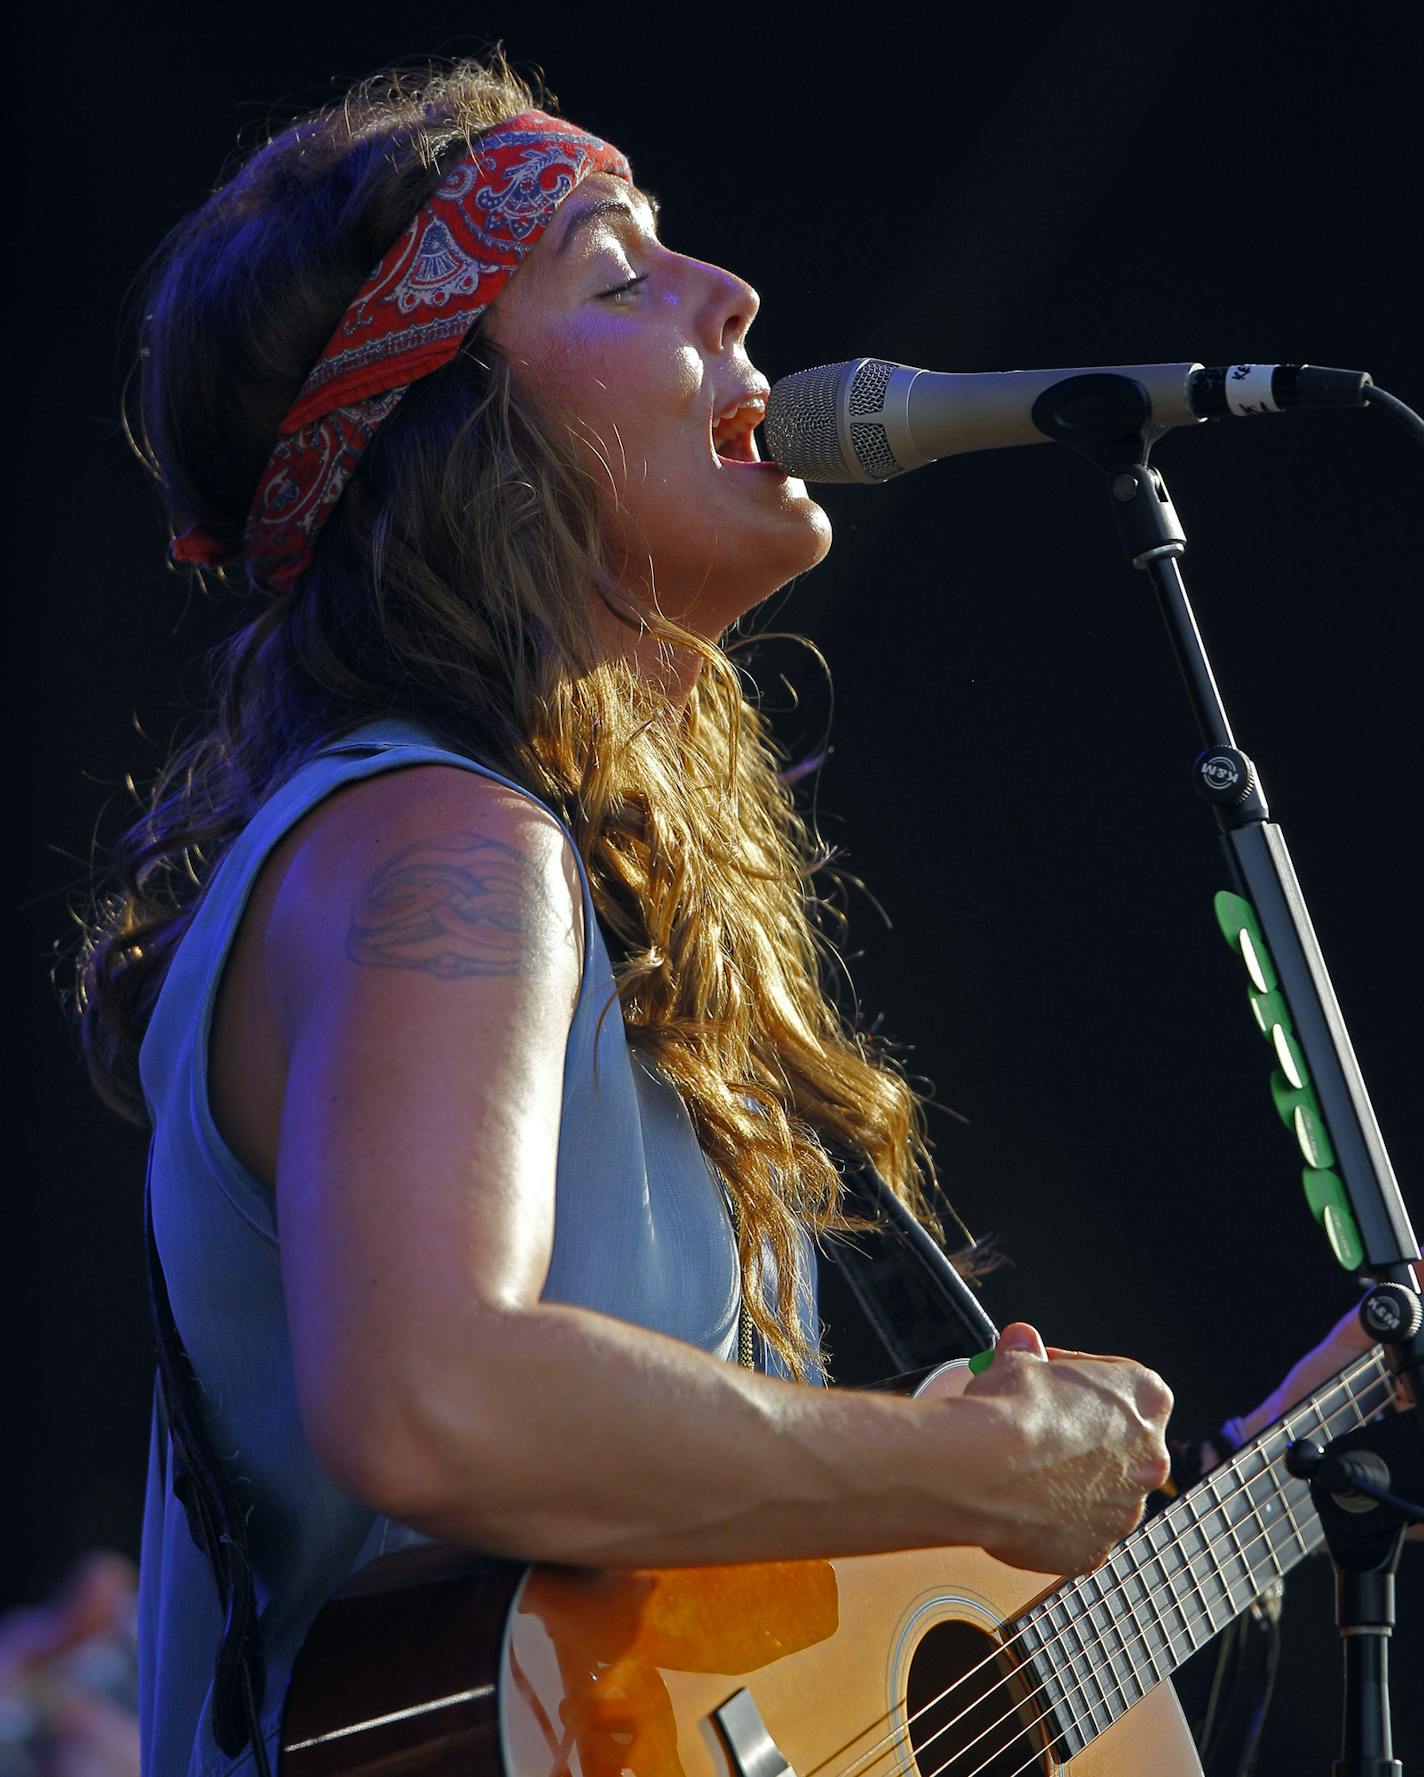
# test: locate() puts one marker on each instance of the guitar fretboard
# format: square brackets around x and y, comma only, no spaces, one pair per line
[1099,1643]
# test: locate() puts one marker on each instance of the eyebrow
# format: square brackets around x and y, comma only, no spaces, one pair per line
[606,206]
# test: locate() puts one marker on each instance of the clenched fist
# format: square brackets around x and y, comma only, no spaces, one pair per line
[1082,1443]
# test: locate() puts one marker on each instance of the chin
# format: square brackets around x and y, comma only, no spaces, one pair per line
[818,520]
[797,545]
[751,563]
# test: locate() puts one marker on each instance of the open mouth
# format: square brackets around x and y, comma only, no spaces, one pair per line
[733,431]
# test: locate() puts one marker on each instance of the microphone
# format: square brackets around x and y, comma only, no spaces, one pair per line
[867,420]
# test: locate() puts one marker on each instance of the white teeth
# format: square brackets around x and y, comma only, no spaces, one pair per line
[755,403]
[738,423]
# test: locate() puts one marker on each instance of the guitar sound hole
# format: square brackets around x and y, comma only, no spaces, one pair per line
[965,1720]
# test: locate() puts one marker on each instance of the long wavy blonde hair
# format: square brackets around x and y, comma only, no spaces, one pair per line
[452,587]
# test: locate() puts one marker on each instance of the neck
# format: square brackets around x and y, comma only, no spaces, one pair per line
[673,667]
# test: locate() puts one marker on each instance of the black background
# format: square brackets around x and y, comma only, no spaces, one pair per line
[1068,185]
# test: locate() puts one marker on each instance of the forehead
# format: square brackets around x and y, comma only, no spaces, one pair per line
[600,198]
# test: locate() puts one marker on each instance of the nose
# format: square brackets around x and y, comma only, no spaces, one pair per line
[729,309]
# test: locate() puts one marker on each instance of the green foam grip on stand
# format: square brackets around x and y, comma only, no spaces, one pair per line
[1325,1194]
[1269,1010]
[1298,1108]
[981,1361]
[1242,931]
[1288,1054]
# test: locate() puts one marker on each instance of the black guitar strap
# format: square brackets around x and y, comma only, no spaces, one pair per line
[216,1522]
[906,1288]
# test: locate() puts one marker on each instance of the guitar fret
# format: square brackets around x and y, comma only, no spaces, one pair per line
[1297,1493]
[1157,1597]
[1341,1413]
[1291,1493]
[1199,1542]
[1270,1495]
[1098,1670]
[1117,1597]
[1173,1615]
[1202,1569]
[1130,1627]
[1118,1664]
[1044,1658]
[1326,1433]
[1245,1492]
[1083,1668]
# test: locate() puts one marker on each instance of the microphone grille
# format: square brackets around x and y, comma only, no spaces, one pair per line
[800,429]
[867,390]
[802,422]
[871,444]
[865,409]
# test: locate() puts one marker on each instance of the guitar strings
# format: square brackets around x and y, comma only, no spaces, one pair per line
[894,1741]
[1080,1688]
[1087,1653]
[1346,1380]
[1353,1377]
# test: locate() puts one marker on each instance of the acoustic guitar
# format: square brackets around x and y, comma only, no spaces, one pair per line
[925,1663]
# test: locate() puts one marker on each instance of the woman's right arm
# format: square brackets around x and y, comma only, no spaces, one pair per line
[423,961]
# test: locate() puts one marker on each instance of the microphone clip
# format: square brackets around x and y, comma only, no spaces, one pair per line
[1103,415]
[1107,418]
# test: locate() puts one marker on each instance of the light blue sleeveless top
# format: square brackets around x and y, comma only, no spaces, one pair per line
[641,1232]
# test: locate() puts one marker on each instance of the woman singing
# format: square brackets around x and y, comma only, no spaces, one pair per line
[463,962]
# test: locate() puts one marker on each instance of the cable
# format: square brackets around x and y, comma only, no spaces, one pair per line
[1391,404]
[1252,1748]
[1411,1513]
[1207,1731]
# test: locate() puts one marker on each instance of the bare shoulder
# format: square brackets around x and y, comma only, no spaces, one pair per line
[430,870]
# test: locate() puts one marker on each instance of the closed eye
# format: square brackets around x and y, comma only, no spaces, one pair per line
[622,289]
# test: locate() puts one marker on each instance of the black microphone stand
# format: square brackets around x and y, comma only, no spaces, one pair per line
[1356,1482]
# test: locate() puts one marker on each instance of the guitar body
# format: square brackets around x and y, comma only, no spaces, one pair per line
[834,1655]
[433,1662]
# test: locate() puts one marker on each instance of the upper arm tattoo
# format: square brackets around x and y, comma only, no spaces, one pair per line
[453,905]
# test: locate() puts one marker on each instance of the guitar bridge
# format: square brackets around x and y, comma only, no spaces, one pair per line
[750,1747]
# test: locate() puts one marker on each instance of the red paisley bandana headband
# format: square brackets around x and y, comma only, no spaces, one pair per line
[407,320]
